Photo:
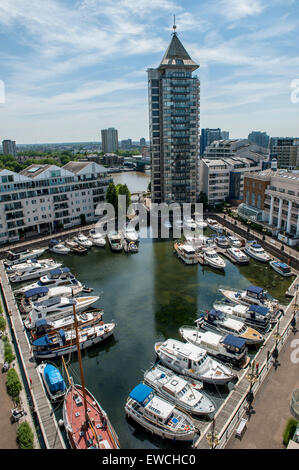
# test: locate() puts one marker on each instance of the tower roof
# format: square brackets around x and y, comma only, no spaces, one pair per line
[177,56]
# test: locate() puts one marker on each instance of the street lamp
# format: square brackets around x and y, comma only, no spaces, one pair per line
[212,436]
[277,337]
[252,378]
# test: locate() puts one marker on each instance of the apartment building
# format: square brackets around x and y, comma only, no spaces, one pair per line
[109,140]
[240,148]
[286,151]
[45,198]
[9,147]
[273,198]
[223,179]
[174,126]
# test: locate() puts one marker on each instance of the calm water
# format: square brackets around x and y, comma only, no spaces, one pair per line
[135,180]
[149,295]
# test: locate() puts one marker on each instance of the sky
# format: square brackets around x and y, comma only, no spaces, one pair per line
[70,68]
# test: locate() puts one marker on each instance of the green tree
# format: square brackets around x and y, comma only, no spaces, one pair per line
[25,436]
[111,196]
[13,384]
[203,199]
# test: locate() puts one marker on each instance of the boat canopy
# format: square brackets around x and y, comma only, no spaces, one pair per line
[48,302]
[283,266]
[234,341]
[54,379]
[216,313]
[140,393]
[42,341]
[41,323]
[36,291]
[256,245]
[53,242]
[55,272]
[259,309]
[255,290]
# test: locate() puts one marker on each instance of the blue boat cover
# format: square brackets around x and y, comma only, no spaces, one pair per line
[56,271]
[255,289]
[48,302]
[256,245]
[42,341]
[232,340]
[54,379]
[40,323]
[259,309]
[53,242]
[281,265]
[217,313]
[36,291]
[140,392]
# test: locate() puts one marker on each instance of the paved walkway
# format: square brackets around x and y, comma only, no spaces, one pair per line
[8,431]
[271,405]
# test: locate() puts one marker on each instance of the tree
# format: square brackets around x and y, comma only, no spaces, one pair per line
[123,190]
[202,198]
[25,436]
[111,196]
[13,384]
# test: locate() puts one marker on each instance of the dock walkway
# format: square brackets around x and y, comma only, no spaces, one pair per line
[47,421]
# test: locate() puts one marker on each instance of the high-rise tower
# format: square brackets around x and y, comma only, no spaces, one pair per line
[174,126]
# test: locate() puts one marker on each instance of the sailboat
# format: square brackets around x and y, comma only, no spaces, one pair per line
[86,423]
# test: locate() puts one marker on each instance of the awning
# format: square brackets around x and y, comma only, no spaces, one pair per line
[140,392]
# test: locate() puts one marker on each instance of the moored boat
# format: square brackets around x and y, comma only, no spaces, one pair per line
[57,247]
[186,253]
[227,348]
[238,255]
[75,247]
[61,342]
[234,241]
[214,225]
[281,268]
[56,277]
[115,241]
[182,392]
[212,258]
[222,241]
[82,240]
[33,270]
[53,381]
[220,321]
[193,361]
[251,295]
[16,257]
[97,238]
[253,315]
[43,293]
[255,250]
[158,415]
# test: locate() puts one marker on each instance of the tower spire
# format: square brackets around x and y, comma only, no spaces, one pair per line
[174,26]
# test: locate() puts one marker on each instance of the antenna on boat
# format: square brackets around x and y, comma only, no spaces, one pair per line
[80,364]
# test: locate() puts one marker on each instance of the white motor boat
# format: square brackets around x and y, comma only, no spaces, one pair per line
[200,223]
[130,234]
[227,348]
[115,241]
[36,294]
[220,321]
[58,247]
[184,393]
[56,277]
[251,295]
[193,361]
[97,238]
[82,240]
[57,307]
[253,315]
[189,223]
[213,259]
[53,381]
[157,415]
[255,250]
[214,225]
[34,271]
[186,253]
[196,242]
[238,255]
[21,256]
[27,265]
[222,241]
[234,241]
[281,268]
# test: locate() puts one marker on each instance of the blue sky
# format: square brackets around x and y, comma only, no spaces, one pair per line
[73,67]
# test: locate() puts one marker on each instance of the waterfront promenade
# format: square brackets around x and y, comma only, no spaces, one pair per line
[46,418]
[271,404]
[234,407]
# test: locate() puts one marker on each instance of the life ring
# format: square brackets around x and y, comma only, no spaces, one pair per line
[187,428]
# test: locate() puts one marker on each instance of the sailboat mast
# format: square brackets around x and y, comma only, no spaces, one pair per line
[80,363]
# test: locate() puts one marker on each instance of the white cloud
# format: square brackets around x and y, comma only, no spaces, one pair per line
[238,9]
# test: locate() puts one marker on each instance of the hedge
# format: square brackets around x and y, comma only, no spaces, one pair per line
[289,430]
[2,323]
[13,384]
[25,436]
[8,351]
